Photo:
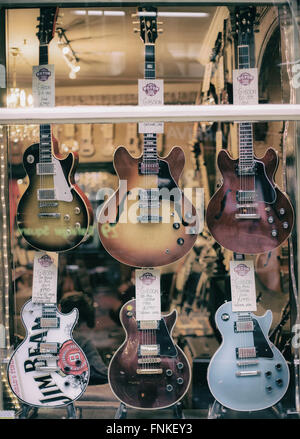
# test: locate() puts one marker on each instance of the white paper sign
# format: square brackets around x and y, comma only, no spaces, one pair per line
[43,85]
[44,286]
[243,293]
[245,87]
[147,293]
[151,92]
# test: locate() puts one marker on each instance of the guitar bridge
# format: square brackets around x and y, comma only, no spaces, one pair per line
[149,371]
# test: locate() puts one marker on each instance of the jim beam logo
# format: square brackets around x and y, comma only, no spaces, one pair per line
[151,89]
[43,74]
[245,78]
[147,278]
[242,269]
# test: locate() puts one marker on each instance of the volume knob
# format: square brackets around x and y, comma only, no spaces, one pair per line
[169,372]
[180,365]
[285,225]
[274,233]
[169,387]
[270,219]
[180,380]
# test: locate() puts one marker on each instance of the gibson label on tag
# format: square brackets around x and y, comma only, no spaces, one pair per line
[242,282]
[44,286]
[43,83]
[147,292]
[245,87]
[151,92]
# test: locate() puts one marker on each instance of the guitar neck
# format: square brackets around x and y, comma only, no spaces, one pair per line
[45,146]
[246,153]
[150,139]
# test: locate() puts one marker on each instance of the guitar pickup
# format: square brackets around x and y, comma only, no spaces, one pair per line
[246,206]
[148,350]
[148,204]
[148,324]
[247,373]
[42,368]
[149,194]
[44,204]
[247,216]
[149,371]
[242,353]
[46,194]
[49,322]
[246,363]
[49,348]
[45,169]
[49,215]
[246,196]
[245,326]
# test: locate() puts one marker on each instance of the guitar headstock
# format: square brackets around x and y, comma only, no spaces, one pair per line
[243,23]
[148,24]
[46,27]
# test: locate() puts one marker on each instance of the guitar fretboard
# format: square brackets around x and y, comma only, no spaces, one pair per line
[246,155]
[150,140]
[45,148]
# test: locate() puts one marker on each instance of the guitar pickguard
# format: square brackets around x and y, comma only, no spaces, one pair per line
[167,347]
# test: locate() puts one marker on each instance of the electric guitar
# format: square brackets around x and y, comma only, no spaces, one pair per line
[48,369]
[248,214]
[139,225]
[53,213]
[148,371]
[247,372]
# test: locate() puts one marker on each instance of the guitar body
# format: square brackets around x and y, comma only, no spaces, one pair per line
[46,388]
[75,215]
[148,391]
[250,236]
[147,244]
[246,393]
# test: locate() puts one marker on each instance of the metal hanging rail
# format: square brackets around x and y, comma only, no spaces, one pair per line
[163,113]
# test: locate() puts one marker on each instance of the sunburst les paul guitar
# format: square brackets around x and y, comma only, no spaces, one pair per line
[53,213]
[139,225]
[248,214]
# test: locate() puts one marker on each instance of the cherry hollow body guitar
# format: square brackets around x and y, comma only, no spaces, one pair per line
[53,214]
[141,224]
[148,371]
[248,214]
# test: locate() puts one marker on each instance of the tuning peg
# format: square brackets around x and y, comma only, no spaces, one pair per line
[134,15]
[160,31]
[135,30]
[135,22]
[160,23]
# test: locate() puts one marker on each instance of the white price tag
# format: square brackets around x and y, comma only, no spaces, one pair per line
[242,280]
[147,292]
[151,92]
[245,87]
[43,85]
[44,285]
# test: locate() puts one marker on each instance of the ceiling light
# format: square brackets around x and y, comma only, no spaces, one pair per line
[114,13]
[95,12]
[173,14]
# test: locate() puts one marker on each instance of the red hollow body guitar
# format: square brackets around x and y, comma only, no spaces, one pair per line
[249,214]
